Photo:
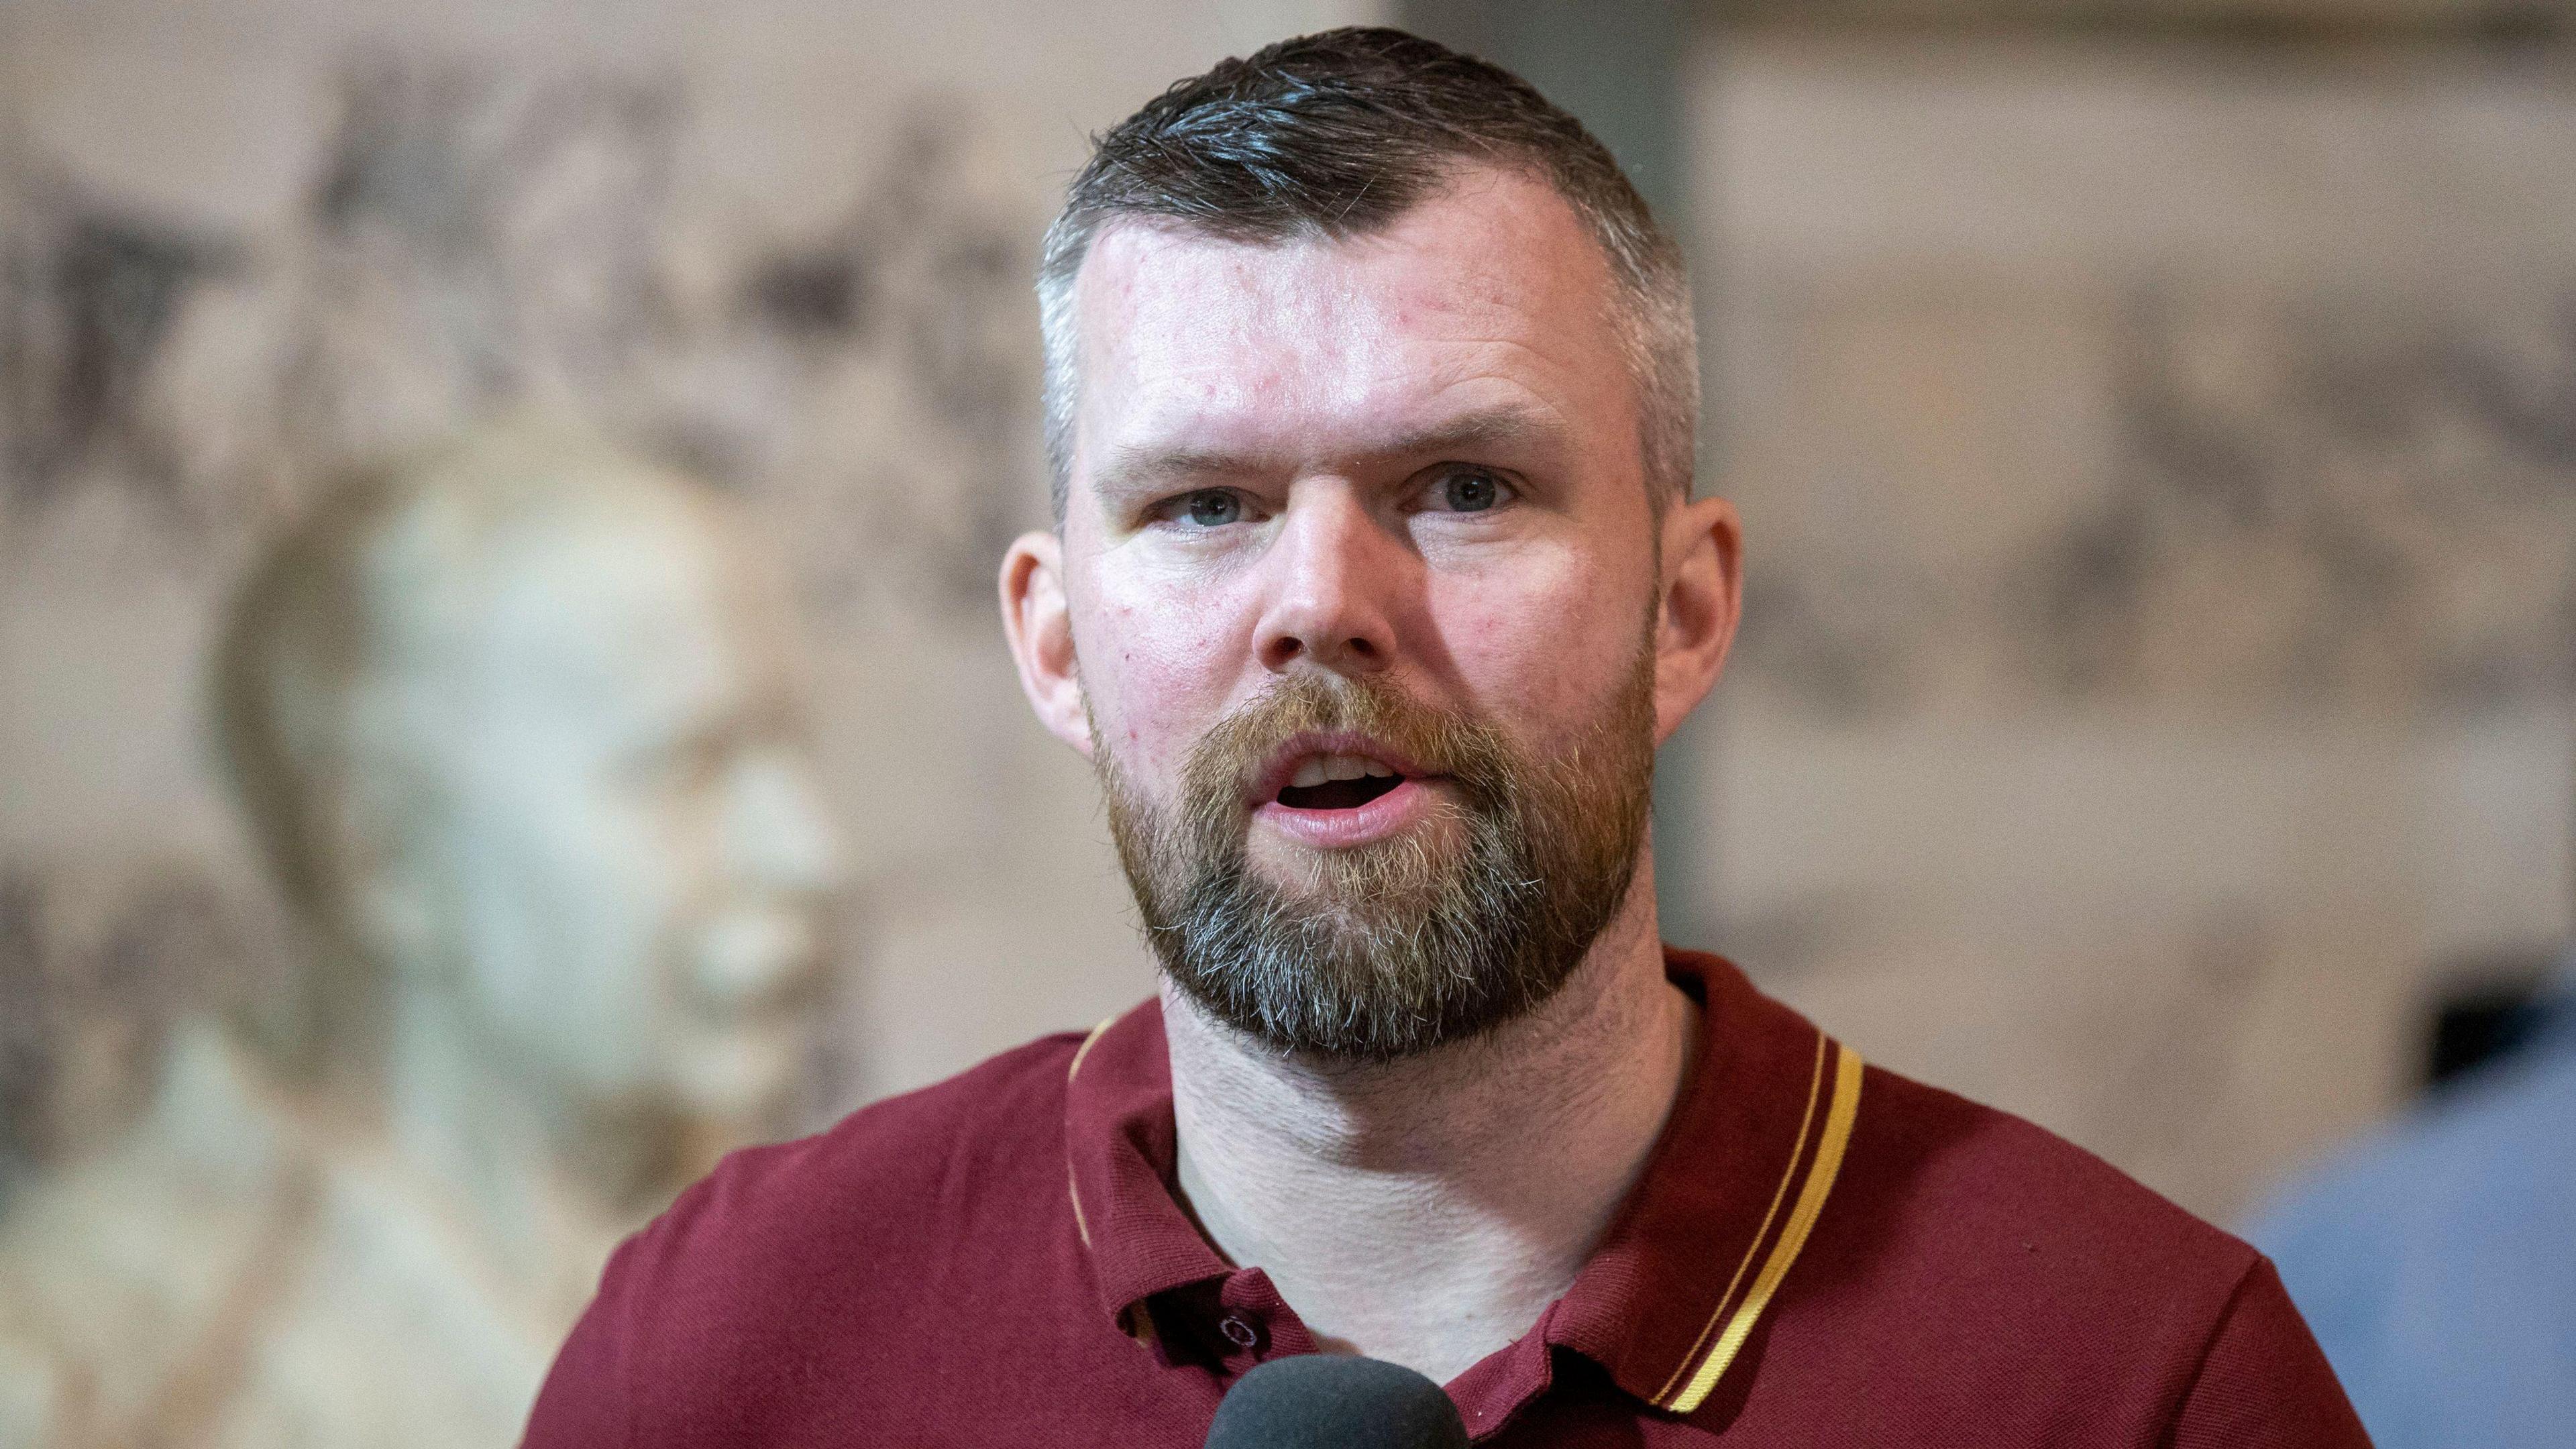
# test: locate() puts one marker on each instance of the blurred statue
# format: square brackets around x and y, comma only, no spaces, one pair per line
[516,727]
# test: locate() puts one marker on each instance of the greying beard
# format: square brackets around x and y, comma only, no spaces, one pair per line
[1395,947]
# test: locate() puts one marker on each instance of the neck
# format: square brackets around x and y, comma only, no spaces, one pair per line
[1426,1211]
[497,1156]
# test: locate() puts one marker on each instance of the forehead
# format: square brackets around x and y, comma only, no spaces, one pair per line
[612,626]
[1490,293]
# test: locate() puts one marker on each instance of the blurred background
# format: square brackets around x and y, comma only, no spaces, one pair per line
[2154,423]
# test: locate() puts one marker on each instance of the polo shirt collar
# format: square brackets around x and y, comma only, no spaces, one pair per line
[1121,1149]
[1726,1200]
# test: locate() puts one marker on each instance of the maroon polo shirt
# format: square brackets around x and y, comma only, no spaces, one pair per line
[1818,1253]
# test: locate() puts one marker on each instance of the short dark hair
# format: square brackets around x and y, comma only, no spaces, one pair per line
[1337,135]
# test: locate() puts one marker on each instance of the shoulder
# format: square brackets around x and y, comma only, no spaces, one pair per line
[1983,1241]
[793,1252]
[1980,1186]
[110,1263]
[906,1165]
[2010,1278]
[1945,1189]
[2015,1288]
[981,1121]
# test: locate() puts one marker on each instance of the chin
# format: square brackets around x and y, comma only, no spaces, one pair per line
[746,1075]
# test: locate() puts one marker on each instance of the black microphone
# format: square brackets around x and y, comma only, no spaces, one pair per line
[1329,1401]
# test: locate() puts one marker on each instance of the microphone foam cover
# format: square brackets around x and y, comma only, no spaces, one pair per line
[1328,1399]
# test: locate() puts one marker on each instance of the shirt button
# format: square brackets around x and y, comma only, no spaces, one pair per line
[1239,1333]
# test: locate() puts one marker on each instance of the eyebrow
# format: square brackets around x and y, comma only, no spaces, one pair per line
[1487,428]
[1131,470]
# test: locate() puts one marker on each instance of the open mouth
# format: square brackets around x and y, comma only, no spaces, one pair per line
[1338,782]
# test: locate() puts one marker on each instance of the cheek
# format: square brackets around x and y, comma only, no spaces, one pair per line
[1540,642]
[601,883]
[1159,665]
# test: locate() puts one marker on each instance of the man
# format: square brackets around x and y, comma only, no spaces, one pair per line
[1376,579]
[514,722]
[2434,1257]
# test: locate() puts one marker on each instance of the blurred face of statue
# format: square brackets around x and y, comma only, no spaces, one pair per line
[612,872]
[1354,606]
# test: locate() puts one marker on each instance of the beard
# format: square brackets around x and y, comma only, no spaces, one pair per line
[1394,947]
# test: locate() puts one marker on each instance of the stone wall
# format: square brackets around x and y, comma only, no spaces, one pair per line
[2161,614]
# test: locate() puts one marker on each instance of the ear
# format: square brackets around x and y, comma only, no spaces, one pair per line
[1703,558]
[1040,626]
[365,869]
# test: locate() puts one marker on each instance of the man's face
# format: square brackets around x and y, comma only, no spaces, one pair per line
[1369,508]
[622,850]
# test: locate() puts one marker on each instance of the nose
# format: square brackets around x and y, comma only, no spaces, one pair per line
[1328,574]
[778,852]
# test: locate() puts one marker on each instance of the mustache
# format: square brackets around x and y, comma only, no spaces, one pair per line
[1400,945]
[1229,759]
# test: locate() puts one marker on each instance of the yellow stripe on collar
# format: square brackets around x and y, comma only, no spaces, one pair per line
[1826,1163]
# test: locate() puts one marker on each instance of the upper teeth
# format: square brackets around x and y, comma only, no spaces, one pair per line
[1316,769]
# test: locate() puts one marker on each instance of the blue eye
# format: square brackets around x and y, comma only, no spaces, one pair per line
[1214,508]
[1471,491]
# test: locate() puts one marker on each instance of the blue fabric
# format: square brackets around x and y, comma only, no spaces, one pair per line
[2436,1261]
